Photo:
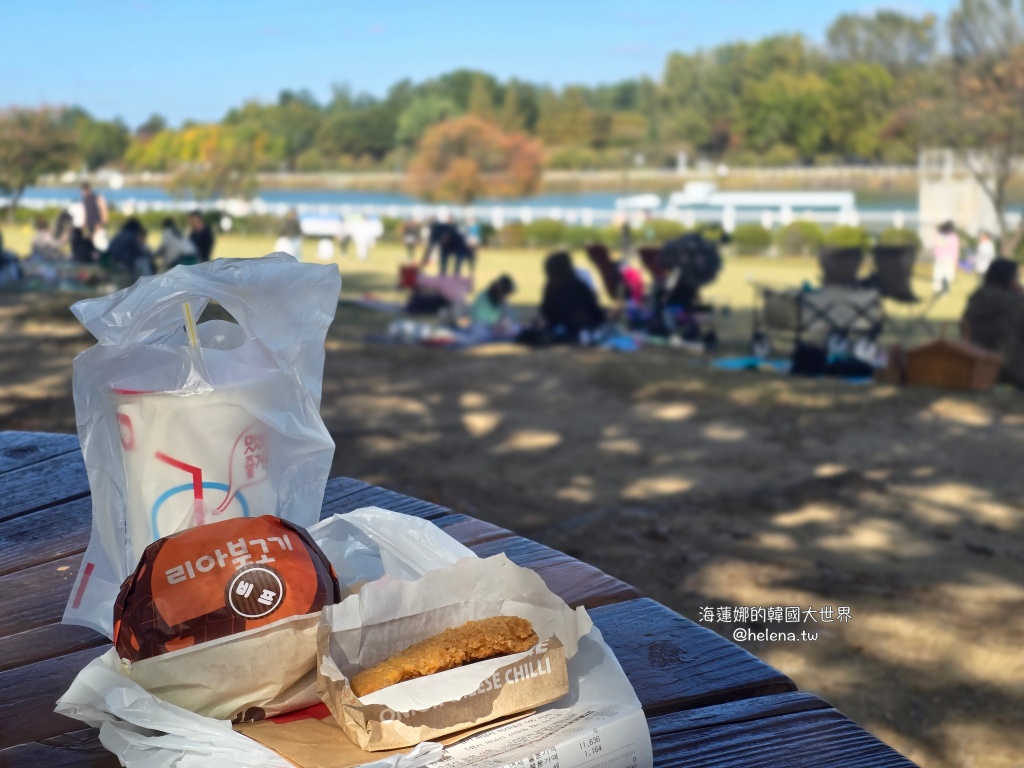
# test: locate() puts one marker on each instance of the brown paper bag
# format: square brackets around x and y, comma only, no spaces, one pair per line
[389,616]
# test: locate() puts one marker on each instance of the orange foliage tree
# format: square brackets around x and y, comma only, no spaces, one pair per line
[465,158]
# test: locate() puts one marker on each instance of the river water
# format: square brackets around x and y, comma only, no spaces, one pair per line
[598,201]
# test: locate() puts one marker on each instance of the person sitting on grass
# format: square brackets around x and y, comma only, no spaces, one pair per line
[44,244]
[569,309]
[128,250]
[175,248]
[489,313]
[994,318]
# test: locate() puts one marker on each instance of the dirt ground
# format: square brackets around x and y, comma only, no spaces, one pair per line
[703,489]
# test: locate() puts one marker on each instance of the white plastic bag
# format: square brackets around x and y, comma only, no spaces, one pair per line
[183,424]
[149,732]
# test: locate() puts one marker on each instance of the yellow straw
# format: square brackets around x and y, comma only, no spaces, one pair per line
[190,324]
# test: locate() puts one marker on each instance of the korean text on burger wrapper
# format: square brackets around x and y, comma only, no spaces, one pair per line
[388,616]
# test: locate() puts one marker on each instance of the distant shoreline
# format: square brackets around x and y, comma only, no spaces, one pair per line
[868,179]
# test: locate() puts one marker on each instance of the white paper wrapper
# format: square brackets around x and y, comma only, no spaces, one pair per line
[388,616]
[599,723]
[248,676]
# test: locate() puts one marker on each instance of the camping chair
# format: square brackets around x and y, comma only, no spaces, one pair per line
[651,258]
[840,266]
[846,312]
[798,314]
[894,268]
[614,285]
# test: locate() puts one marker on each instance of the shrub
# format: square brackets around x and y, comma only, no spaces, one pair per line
[845,236]
[393,227]
[899,237]
[751,238]
[659,230]
[571,159]
[544,233]
[709,231]
[513,235]
[780,155]
[800,238]
[577,236]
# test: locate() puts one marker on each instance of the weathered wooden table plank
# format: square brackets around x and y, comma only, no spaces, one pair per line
[46,642]
[20,449]
[30,694]
[675,664]
[36,596]
[795,730]
[78,749]
[722,706]
[43,484]
[575,582]
[45,535]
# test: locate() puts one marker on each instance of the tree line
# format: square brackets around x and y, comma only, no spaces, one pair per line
[879,87]
[780,100]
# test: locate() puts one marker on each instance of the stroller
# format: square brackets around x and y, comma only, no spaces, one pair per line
[683,267]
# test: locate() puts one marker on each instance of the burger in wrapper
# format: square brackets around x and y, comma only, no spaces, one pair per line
[221,619]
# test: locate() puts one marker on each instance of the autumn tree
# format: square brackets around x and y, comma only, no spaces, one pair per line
[33,142]
[218,161]
[466,158]
[983,115]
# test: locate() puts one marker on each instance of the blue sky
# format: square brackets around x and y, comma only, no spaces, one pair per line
[195,59]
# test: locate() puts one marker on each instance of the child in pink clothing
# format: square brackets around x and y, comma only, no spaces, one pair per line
[634,281]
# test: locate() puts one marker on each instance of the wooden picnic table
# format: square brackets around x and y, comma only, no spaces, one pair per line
[708,701]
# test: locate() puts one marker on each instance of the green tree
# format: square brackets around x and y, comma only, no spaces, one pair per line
[896,41]
[564,120]
[787,109]
[511,117]
[295,120]
[369,131]
[100,142]
[481,100]
[153,125]
[859,94]
[33,142]
[422,113]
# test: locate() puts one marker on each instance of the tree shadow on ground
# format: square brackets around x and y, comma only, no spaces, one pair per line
[704,489]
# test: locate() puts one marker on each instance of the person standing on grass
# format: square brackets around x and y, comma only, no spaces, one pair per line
[451,244]
[96,217]
[411,238]
[985,254]
[290,235]
[947,254]
[201,235]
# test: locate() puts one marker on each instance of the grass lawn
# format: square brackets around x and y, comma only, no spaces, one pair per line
[732,289]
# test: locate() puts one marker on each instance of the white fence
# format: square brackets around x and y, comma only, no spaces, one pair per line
[498,215]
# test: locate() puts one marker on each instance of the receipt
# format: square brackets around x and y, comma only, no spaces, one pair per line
[599,723]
